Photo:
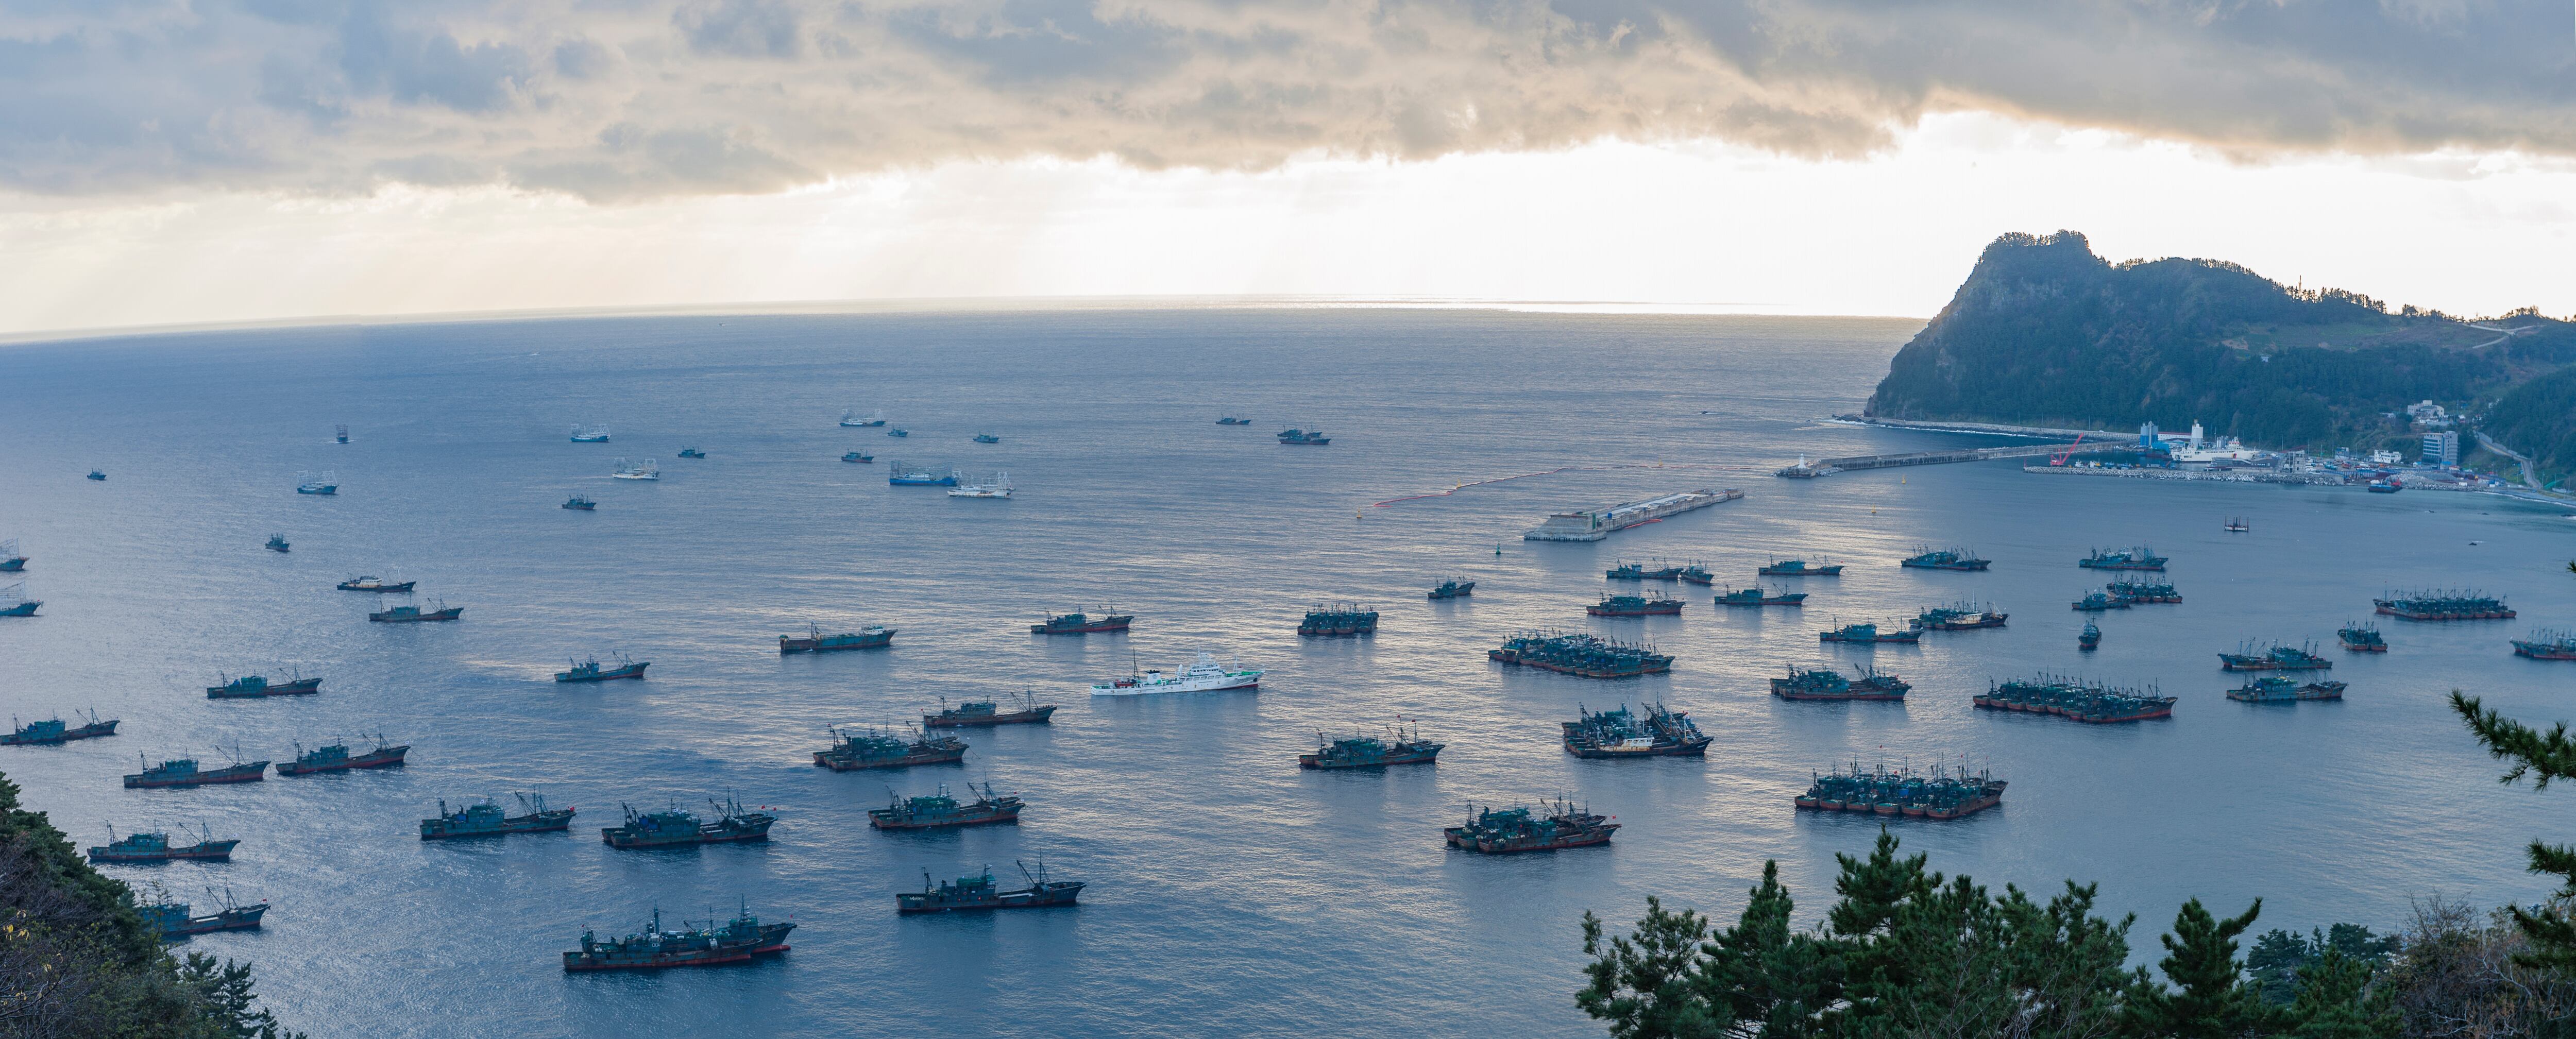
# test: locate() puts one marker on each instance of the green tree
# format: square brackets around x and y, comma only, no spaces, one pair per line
[1647,984]
[2212,998]
[2542,757]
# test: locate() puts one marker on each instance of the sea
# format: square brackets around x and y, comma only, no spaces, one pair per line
[1229,893]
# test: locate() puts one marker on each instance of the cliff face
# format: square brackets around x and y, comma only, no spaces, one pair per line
[2045,333]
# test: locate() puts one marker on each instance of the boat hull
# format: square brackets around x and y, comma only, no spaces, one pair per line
[1691,748]
[250,773]
[24,609]
[883,820]
[209,851]
[844,763]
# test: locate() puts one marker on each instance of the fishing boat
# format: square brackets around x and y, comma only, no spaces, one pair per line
[277,543]
[1944,559]
[98,474]
[173,922]
[850,420]
[2277,657]
[2276,689]
[1083,624]
[855,749]
[438,610]
[976,714]
[997,485]
[874,636]
[1810,683]
[1959,617]
[1230,420]
[691,452]
[1655,605]
[310,483]
[592,435]
[972,894]
[675,828]
[743,940]
[593,671]
[941,811]
[2362,638]
[11,560]
[987,438]
[1515,830]
[1756,596]
[251,687]
[642,469]
[1621,733]
[15,602]
[370,583]
[2546,644]
[2138,558]
[156,847]
[1800,568]
[1868,632]
[1401,746]
[2237,525]
[906,474]
[335,757]
[2091,638]
[857,456]
[487,819]
[580,503]
[1202,676]
[183,772]
[340,434]
[898,431]
[53,731]
[1305,437]
[1451,588]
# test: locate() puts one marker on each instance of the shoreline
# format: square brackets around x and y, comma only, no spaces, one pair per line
[1986,428]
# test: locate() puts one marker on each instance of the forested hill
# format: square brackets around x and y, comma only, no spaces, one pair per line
[2045,333]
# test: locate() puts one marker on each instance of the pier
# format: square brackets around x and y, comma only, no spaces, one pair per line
[1828,466]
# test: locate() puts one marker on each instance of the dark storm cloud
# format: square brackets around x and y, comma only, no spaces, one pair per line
[655,97]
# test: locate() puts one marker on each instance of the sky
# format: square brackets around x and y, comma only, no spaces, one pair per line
[177,162]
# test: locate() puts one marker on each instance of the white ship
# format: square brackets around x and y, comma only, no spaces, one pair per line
[997,485]
[647,469]
[1205,676]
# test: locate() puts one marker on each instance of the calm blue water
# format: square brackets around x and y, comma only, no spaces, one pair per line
[1231,893]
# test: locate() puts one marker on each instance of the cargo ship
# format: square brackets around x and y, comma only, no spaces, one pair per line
[1820,684]
[906,474]
[1403,747]
[674,828]
[1305,437]
[2089,702]
[740,941]
[979,714]
[1511,831]
[1202,676]
[2444,606]
[1958,617]
[15,602]
[1940,795]
[979,893]
[1868,632]
[2091,638]
[486,819]
[253,686]
[371,584]
[1945,559]
[1344,619]
[277,543]
[2276,689]
[336,758]
[2362,638]
[2100,600]
[875,636]
[2125,559]
[183,772]
[156,847]
[1658,604]
[438,611]
[1595,524]
[593,671]
[172,921]
[1082,624]
[1627,571]
[1451,588]
[2142,591]
[1581,655]
[1755,596]
[1800,568]
[2544,644]
[52,731]
[855,749]
[943,812]
[2276,658]
[1620,733]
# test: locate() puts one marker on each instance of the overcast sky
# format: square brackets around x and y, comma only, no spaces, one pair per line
[175,161]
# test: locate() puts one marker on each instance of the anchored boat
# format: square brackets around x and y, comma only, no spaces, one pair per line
[593,435]
[1513,830]
[11,560]
[691,452]
[593,671]
[2277,658]
[2076,700]
[1451,588]
[277,543]
[2445,606]
[1230,420]
[854,749]
[98,474]
[1806,683]
[987,438]
[486,819]
[156,847]
[1309,437]
[1756,596]
[1959,617]
[740,941]
[849,420]
[857,456]
[1202,676]
[53,731]
[675,828]
[438,611]
[2125,559]
[1405,747]
[979,893]
[1582,655]
[997,485]
[1083,624]
[980,714]
[1620,733]
[1868,632]
[906,474]
[2133,591]
[309,483]
[181,772]
[942,812]
[1941,795]
[249,687]
[172,921]
[335,757]
[874,636]
[1658,571]
[1945,559]
[1658,604]
[2276,689]
[1800,568]
[580,503]
[2544,644]
[1337,620]
[371,583]
[2363,638]
[2098,601]
[2091,638]
[15,602]
[644,469]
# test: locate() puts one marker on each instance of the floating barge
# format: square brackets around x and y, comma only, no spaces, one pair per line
[875,636]
[978,714]
[336,758]
[854,750]
[979,893]
[2365,638]
[1511,831]
[1581,655]
[1406,748]
[2276,689]
[1620,733]
[2088,702]
[2277,658]
[675,828]
[2544,644]
[1756,596]
[941,811]
[249,687]
[1083,624]
[1655,605]
[2444,606]
[1800,568]
[1334,621]
[1941,795]
[740,941]
[2125,559]
[53,731]
[1596,524]
[487,819]
[1820,684]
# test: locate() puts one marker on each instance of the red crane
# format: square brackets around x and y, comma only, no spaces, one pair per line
[2061,457]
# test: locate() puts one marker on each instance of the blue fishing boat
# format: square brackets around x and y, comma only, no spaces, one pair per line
[252,687]
[309,483]
[977,893]
[1309,437]
[987,438]
[277,542]
[1868,632]
[156,847]
[592,671]
[857,456]
[97,474]
[335,757]
[490,820]
[1231,420]
[740,941]
[11,560]
[53,731]
[898,431]
[691,452]
[172,921]
[676,828]
[15,602]
[580,504]
[439,611]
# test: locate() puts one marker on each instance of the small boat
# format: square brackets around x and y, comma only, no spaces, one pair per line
[156,847]
[369,583]
[592,671]
[1944,559]
[340,434]
[335,757]
[1656,605]
[980,714]
[644,469]
[277,543]
[407,614]
[253,687]
[2386,486]
[2276,689]
[814,641]
[857,456]
[54,731]
[98,474]
[15,602]
[2237,525]
[1308,437]
[898,431]
[308,483]
[11,560]
[489,820]
[2091,638]
[851,420]
[854,750]
[970,894]
[996,486]
[1230,420]
[594,435]
[581,503]
[741,941]
[691,452]
[172,921]
[987,438]
[1451,588]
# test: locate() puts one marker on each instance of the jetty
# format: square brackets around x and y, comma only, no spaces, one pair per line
[1809,469]
[1596,524]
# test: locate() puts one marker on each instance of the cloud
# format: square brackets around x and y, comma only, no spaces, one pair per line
[653,98]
